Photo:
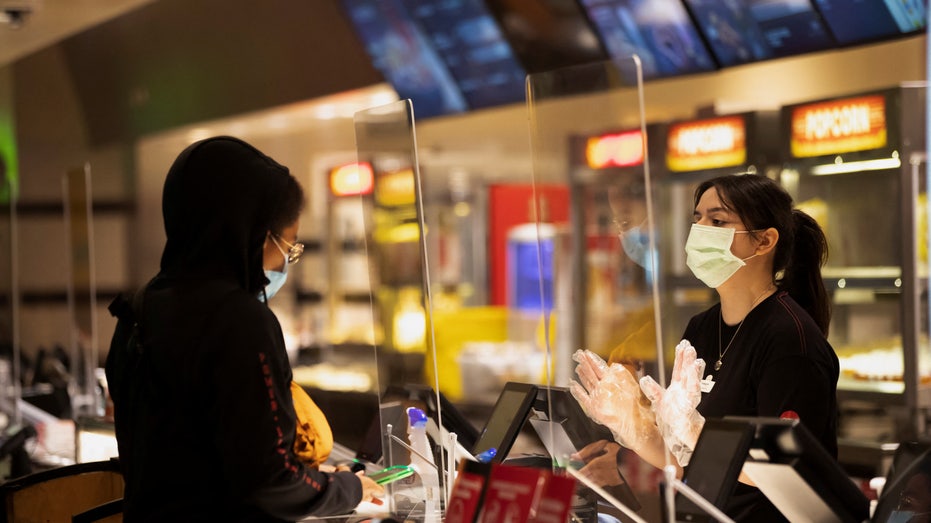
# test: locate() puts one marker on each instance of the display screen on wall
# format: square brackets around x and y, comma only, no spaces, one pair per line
[854,21]
[467,39]
[658,31]
[548,34]
[403,54]
[742,31]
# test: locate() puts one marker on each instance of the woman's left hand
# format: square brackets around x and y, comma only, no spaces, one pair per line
[674,408]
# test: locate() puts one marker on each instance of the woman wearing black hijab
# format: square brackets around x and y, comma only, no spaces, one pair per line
[197,367]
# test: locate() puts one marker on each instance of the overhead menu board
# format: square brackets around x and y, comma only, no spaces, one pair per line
[658,31]
[547,34]
[855,21]
[741,31]
[467,39]
[403,54]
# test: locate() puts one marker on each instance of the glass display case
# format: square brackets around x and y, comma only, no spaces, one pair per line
[857,165]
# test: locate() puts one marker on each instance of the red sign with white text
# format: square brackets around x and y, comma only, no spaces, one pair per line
[614,150]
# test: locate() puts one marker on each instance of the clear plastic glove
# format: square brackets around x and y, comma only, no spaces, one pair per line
[674,408]
[610,396]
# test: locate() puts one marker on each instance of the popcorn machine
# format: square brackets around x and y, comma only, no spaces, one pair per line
[858,166]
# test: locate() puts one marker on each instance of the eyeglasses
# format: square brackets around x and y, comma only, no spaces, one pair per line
[620,226]
[295,250]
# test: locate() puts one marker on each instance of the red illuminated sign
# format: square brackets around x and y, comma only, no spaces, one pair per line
[840,126]
[351,179]
[707,144]
[614,150]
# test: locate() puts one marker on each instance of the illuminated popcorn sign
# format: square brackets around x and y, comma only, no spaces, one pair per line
[707,144]
[839,126]
[615,150]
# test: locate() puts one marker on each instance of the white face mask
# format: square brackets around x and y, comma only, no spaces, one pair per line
[708,254]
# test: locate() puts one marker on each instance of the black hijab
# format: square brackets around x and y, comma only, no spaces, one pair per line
[218,203]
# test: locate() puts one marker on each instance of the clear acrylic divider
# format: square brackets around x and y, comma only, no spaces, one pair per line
[386,144]
[77,196]
[9,314]
[589,136]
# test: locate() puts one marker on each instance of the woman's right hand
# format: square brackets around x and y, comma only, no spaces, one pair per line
[601,463]
[611,396]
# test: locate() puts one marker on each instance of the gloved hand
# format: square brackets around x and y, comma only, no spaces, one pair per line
[610,396]
[674,408]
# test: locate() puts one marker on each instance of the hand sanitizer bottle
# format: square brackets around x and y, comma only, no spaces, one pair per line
[422,462]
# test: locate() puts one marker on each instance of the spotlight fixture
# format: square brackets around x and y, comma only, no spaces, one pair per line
[14,17]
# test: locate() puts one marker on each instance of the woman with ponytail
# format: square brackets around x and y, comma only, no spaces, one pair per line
[765,343]
[761,351]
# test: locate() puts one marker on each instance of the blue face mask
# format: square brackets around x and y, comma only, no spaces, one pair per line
[903,516]
[636,244]
[276,279]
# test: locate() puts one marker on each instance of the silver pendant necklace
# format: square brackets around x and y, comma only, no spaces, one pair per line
[718,364]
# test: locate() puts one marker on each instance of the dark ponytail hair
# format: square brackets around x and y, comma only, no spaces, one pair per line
[802,248]
[802,274]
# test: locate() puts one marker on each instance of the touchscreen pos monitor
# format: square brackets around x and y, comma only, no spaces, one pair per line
[506,420]
[799,476]
[556,404]
[373,444]
[715,466]
[564,429]
[908,483]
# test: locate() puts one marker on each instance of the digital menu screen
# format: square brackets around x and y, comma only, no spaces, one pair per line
[731,31]
[741,31]
[854,21]
[547,34]
[790,26]
[658,31]
[403,54]
[909,15]
[467,39]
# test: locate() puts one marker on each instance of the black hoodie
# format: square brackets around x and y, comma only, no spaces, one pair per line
[197,367]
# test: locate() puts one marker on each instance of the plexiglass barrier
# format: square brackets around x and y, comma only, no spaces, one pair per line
[606,268]
[82,291]
[386,144]
[574,271]
[9,358]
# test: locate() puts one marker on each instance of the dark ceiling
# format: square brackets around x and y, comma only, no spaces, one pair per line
[175,62]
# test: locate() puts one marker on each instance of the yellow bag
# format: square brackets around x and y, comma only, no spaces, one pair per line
[314,439]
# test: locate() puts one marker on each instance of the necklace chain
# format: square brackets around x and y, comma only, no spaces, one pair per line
[721,353]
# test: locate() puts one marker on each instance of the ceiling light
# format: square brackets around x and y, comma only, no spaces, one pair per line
[15,17]
[852,167]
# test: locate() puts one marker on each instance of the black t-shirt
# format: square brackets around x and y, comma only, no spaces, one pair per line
[779,364]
